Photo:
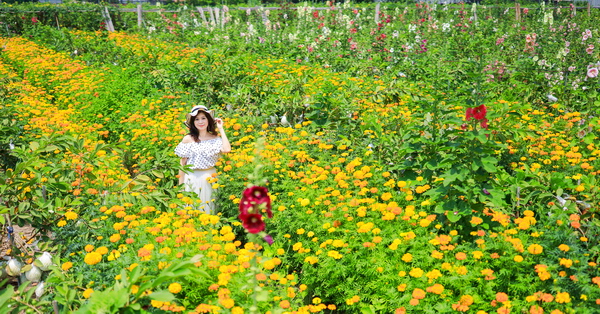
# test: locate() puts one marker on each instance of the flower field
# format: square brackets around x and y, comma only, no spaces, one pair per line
[429,159]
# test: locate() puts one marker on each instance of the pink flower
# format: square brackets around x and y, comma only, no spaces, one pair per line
[590,49]
[499,41]
[592,72]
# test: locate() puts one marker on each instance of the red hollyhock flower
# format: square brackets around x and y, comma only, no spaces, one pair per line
[484,123]
[254,199]
[469,114]
[253,223]
[479,112]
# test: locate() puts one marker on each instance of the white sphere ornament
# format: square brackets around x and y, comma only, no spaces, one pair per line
[13,268]
[34,274]
[45,261]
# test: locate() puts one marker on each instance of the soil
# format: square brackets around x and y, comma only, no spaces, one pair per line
[21,235]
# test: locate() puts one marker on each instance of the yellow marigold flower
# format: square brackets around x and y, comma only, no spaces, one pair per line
[88,248]
[92,258]
[102,250]
[564,248]
[566,262]
[407,257]
[563,297]
[87,293]
[386,196]
[70,215]
[518,258]
[115,237]
[416,272]
[174,287]
[61,223]
[66,266]
[535,249]
[476,221]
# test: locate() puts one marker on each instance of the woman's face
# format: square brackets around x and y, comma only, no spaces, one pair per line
[201,122]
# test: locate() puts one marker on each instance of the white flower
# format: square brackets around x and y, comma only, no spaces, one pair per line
[39,291]
[34,274]
[551,98]
[45,260]
[284,120]
[13,268]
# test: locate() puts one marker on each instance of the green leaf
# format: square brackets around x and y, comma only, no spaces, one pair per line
[163,296]
[452,217]
[135,306]
[34,145]
[489,163]
[158,174]
[6,295]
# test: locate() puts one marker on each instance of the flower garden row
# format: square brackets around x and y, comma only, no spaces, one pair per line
[548,51]
[340,208]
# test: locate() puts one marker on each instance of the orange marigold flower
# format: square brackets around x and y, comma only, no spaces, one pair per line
[436,288]
[418,294]
[460,256]
[536,309]
[501,297]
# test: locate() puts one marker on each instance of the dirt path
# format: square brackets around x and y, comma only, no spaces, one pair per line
[21,234]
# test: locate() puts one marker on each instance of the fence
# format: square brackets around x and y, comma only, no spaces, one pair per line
[216,16]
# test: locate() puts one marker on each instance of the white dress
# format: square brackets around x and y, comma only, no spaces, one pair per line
[202,156]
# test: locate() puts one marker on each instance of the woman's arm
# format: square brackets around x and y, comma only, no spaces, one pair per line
[226,145]
[181,175]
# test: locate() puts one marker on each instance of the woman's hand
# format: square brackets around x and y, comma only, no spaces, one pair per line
[219,123]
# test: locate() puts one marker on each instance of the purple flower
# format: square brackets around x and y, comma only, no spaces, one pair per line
[268,239]
[485,191]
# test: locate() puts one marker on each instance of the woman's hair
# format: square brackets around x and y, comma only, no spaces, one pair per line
[194,132]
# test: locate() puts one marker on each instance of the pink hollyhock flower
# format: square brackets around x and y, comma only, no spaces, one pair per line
[592,72]
[590,49]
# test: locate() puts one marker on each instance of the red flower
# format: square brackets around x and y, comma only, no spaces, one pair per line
[469,114]
[253,223]
[484,123]
[34,20]
[479,112]
[254,199]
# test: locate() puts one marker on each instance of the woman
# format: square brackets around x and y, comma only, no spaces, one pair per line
[201,148]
